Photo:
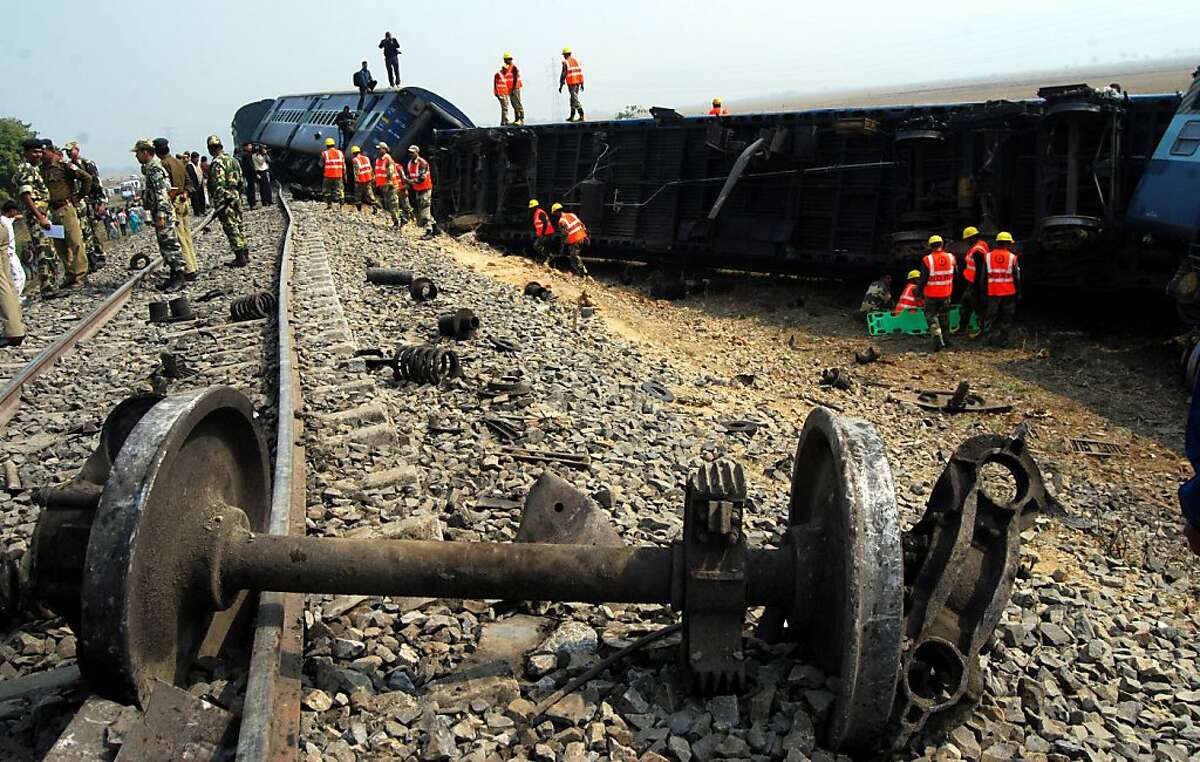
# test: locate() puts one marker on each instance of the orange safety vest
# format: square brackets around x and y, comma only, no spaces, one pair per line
[542,226]
[1001,264]
[576,232]
[941,275]
[382,165]
[362,168]
[574,72]
[334,163]
[500,83]
[908,300]
[418,174]
[718,111]
[512,77]
[980,247]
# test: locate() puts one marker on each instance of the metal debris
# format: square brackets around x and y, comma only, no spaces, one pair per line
[658,390]
[386,276]
[837,378]
[422,290]
[460,324]
[1096,447]
[556,512]
[253,306]
[961,400]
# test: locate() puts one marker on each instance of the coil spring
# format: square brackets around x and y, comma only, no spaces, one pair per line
[253,306]
[426,364]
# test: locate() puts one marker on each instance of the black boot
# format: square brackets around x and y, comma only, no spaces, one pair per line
[242,258]
[175,282]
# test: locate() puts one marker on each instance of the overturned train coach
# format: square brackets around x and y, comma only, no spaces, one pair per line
[294,127]
[1073,174]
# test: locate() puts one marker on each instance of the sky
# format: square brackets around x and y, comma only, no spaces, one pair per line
[124,69]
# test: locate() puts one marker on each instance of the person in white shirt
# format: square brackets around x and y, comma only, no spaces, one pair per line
[11,325]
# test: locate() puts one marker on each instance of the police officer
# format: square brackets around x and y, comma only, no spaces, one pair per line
[225,192]
[35,199]
[62,181]
[86,205]
[181,189]
[156,197]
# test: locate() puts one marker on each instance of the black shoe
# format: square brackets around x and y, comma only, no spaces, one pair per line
[189,277]
[174,283]
[11,341]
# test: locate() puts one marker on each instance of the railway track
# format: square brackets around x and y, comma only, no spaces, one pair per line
[52,407]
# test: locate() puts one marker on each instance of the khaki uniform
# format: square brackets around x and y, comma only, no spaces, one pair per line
[61,179]
[181,193]
[40,253]
[10,302]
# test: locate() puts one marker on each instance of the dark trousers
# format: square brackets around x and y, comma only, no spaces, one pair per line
[264,187]
[198,202]
[392,63]
[1000,313]
[251,182]
[344,135]
[937,315]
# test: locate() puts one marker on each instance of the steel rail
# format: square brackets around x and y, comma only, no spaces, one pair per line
[10,394]
[270,728]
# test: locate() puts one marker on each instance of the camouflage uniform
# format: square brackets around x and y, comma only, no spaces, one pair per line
[156,197]
[391,196]
[224,190]
[85,207]
[40,256]
[877,299]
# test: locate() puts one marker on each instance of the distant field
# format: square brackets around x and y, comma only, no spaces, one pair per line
[1148,77]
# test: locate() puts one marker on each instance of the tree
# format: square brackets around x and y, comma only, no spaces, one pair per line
[633,112]
[13,132]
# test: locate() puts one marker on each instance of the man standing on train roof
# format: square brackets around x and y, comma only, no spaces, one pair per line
[971,303]
[937,283]
[572,235]
[717,109]
[1001,282]
[572,77]
[364,175]
[543,231]
[333,173]
[225,193]
[512,76]
[418,175]
[500,90]
[157,200]
[391,58]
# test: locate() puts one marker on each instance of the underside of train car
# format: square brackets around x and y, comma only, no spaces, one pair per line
[832,191]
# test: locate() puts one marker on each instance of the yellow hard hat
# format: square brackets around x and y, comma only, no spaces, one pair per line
[555,207]
[566,51]
[969,231]
[533,202]
[935,238]
[507,56]
[912,274]
[329,141]
[355,149]
[1004,237]
[716,101]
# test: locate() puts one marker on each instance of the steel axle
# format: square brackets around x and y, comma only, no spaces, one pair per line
[153,573]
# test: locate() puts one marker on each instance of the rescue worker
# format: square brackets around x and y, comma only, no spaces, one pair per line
[362,179]
[157,200]
[85,206]
[908,297]
[62,180]
[180,193]
[1001,281]
[387,174]
[973,260]
[717,109]
[500,90]
[512,76]
[333,172]
[225,193]
[417,174]
[543,232]
[572,77]
[878,297]
[35,198]
[937,283]
[571,234]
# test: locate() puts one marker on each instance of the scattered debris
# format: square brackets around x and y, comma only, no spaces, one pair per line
[1096,447]
[422,290]
[503,429]
[460,324]
[503,344]
[658,390]
[836,378]
[174,366]
[867,357]
[172,311]
[386,276]
[570,459]
[556,512]
[538,291]
[961,400]
[253,306]
[740,426]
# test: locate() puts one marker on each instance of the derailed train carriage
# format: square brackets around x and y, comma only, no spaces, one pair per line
[1097,187]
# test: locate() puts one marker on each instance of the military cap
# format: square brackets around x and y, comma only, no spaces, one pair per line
[71,144]
[30,143]
[161,143]
[48,144]
[213,140]
[142,145]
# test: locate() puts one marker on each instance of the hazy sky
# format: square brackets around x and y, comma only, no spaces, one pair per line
[121,69]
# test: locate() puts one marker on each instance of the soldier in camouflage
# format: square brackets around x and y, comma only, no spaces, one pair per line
[85,207]
[156,197]
[387,170]
[35,198]
[224,190]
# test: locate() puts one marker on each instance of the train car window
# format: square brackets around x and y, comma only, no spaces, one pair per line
[1188,140]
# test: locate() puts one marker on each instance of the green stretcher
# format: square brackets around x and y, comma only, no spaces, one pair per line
[911,322]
